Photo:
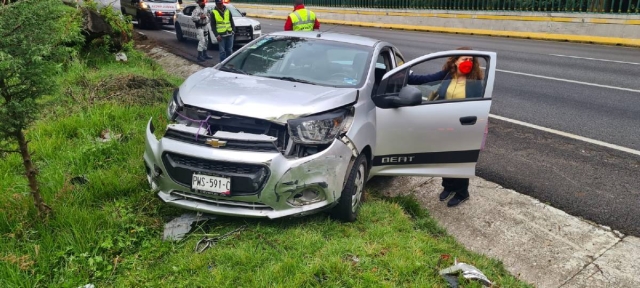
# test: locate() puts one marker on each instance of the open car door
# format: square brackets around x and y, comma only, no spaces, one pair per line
[441,127]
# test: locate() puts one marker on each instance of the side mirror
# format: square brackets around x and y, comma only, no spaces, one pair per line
[244,14]
[408,96]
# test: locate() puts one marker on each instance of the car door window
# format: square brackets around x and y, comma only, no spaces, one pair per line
[440,79]
[188,10]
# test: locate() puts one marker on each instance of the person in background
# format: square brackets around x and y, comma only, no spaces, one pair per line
[223,27]
[461,78]
[301,19]
[202,18]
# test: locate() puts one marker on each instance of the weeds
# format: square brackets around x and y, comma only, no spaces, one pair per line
[108,225]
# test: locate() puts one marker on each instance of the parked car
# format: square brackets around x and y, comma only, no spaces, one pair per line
[247,29]
[151,13]
[295,123]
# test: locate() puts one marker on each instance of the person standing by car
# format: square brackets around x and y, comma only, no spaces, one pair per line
[301,19]
[202,18]
[223,28]
[461,78]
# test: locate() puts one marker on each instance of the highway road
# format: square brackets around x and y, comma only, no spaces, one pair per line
[585,90]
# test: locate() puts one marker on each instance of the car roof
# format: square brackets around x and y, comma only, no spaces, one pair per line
[332,36]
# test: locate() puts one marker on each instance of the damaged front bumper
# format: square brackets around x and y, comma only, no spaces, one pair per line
[263,184]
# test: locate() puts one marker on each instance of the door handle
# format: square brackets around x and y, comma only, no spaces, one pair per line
[468,120]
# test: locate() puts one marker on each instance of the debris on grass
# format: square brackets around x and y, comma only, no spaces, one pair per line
[130,89]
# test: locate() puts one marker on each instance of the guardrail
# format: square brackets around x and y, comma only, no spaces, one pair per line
[562,6]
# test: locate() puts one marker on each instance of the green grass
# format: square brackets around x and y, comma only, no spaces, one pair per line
[108,231]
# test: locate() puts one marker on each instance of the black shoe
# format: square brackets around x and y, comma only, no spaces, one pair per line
[201,56]
[446,194]
[206,56]
[458,199]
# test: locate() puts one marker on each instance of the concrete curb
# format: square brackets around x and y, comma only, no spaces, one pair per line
[509,34]
[557,17]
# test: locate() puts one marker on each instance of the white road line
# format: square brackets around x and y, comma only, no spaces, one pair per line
[595,59]
[169,31]
[569,135]
[570,81]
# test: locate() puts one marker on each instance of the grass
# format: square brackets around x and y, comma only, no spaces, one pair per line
[108,231]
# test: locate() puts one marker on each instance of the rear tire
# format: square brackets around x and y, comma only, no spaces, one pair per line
[179,34]
[353,193]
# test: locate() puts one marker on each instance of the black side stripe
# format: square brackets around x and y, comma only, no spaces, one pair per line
[427,158]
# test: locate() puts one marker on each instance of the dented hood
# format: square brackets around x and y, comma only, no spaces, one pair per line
[259,97]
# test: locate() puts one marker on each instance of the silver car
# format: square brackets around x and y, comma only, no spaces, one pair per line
[294,123]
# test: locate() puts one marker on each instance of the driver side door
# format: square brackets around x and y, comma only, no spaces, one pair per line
[439,137]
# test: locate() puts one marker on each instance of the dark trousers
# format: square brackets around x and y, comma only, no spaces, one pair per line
[458,185]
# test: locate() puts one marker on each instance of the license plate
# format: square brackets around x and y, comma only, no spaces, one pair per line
[213,184]
[165,20]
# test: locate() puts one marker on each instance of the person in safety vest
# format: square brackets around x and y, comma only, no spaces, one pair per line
[301,19]
[201,17]
[223,27]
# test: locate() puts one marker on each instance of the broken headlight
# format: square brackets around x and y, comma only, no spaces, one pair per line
[175,105]
[322,128]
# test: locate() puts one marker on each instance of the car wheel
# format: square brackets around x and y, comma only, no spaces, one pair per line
[353,193]
[141,23]
[179,34]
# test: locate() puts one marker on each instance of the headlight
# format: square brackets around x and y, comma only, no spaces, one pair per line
[143,5]
[175,105]
[320,129]
[257,27]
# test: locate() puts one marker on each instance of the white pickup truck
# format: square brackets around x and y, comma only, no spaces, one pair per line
[151,13]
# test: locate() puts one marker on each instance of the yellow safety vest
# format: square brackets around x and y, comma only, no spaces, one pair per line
[223,25]
[303,20]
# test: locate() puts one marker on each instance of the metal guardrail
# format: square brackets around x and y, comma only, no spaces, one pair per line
[564,6]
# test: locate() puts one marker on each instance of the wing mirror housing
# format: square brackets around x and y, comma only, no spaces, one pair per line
[408,96]
[244,14]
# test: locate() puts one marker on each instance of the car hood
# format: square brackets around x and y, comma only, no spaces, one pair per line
[259,97]
[244,21]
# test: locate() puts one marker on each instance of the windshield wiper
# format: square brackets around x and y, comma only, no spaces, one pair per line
[292,79]
[232,69]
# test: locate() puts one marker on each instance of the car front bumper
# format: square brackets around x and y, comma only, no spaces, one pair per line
[322,174]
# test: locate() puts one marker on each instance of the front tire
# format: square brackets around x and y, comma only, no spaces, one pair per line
[179,34]
[353,193]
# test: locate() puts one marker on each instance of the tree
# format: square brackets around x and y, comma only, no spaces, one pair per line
[37,37]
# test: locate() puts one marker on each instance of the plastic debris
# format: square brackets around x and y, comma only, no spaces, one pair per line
[177,228]
[88,286]
[207,242]
[120,56]
[468,272]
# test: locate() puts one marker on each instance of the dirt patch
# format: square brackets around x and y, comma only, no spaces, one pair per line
[130,89]
[171,63]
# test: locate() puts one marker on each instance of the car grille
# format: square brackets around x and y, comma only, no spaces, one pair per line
[244,31]
[246,179]
[234,124]
[231,144]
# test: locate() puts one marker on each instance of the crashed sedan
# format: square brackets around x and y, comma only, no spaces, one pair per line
[295,123]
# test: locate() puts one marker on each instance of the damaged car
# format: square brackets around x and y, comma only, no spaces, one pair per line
[295,123]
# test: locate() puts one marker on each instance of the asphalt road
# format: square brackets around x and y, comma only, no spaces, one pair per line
[598,98]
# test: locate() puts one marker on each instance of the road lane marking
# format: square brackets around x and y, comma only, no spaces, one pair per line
[569,135]
[570,81]
[596,59]
[169,31]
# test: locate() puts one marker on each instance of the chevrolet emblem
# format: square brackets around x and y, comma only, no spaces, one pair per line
[215,143]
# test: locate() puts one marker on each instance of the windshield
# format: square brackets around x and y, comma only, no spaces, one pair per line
[234,11]
[312,61]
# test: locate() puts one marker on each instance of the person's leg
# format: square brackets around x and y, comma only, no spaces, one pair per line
[207,34]
[461,188]
[449,188]
[228,46]
[201,43]
[221,50]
